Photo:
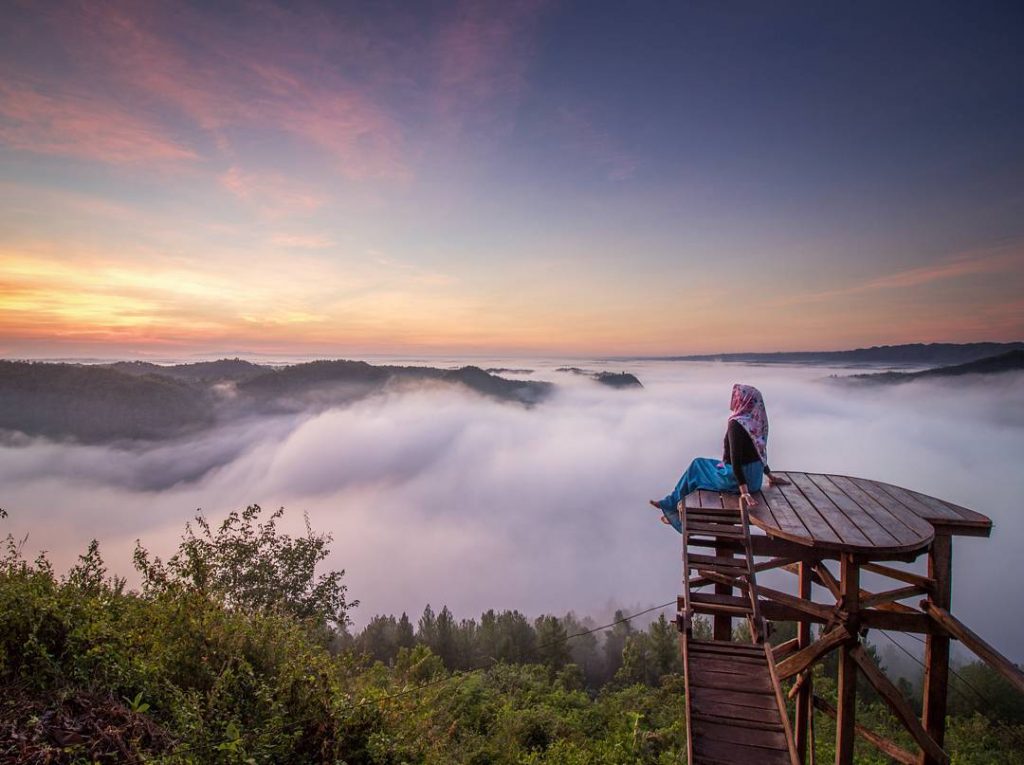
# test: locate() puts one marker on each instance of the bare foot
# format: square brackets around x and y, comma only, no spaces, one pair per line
[662,518]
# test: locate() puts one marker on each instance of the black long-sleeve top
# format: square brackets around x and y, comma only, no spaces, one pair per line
[739,449]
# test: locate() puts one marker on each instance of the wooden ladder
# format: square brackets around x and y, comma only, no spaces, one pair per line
[735,709]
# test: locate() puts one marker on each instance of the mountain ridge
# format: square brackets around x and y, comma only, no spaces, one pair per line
[95,403]
[907,353]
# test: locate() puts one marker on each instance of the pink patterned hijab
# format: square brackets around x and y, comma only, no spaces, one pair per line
[748,409]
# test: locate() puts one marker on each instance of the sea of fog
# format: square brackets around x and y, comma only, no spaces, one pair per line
[445,497]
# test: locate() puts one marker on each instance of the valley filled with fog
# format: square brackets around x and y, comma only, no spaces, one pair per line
[436,494]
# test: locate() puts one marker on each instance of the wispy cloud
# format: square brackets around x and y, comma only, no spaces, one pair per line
[79,126]
[302,241]
[275,196]
[962,266]
[482,55]
[218,81]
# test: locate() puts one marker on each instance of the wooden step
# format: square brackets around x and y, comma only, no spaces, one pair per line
[717,562]
[713,529]
[723,603]
[716,542]
[723,518]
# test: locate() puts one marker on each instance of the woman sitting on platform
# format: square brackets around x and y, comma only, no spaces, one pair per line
[744,465]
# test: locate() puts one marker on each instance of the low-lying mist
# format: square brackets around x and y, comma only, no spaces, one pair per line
[442,496]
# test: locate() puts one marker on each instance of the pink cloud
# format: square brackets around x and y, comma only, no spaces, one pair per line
[970,264]
[79,126]
[227,82]
[273,195]
[482,57]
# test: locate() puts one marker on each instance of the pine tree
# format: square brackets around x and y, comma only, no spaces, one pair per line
[665,647]
[615,643]
[552,647]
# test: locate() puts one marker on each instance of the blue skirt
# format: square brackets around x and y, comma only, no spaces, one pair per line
[712,475]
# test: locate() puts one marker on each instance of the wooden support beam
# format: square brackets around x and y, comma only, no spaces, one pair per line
[804,685]
[782,650]
[828,580]
[884,745]
[936,646]
[898,621]
[774,547]
[824,613]
[846,716]
[801,679]
[899,705]
[781,701]
[777,612]
[982,650]
[897,607]
[927,583]
[805,657]
[686,609]
[879,598]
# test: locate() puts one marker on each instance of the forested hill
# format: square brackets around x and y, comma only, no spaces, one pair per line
[138,400]
[914,354]
[1012,361]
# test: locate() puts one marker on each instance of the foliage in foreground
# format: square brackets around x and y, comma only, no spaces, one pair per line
[223,657]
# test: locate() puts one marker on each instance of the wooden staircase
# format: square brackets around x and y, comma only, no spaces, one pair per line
[735,708]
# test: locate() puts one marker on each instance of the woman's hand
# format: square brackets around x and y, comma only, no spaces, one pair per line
[749,499]
[774,480]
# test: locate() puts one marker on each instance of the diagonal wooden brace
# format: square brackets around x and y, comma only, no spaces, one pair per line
[894,698]
[805,657]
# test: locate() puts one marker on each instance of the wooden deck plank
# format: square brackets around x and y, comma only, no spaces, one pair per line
[872,529]
[903,525]
[730,501]
[724,711]
[845,527]
[710,499]
[737,753]
[817,526]
[736,734]
[729,665]
[782,514]
[726,646]
[708,698]
[726,681]
[916,506]
[968,517]
[872,489]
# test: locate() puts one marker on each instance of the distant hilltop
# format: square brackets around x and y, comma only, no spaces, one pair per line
[913,354]
[95,403]
[1011,361]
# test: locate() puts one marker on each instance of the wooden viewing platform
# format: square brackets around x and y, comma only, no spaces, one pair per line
[735,700]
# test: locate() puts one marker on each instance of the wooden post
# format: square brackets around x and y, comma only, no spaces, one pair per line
[936,647]
[722,629]
[846,721]
[805,695]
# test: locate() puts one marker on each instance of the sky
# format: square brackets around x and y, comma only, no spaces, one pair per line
[513,177]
